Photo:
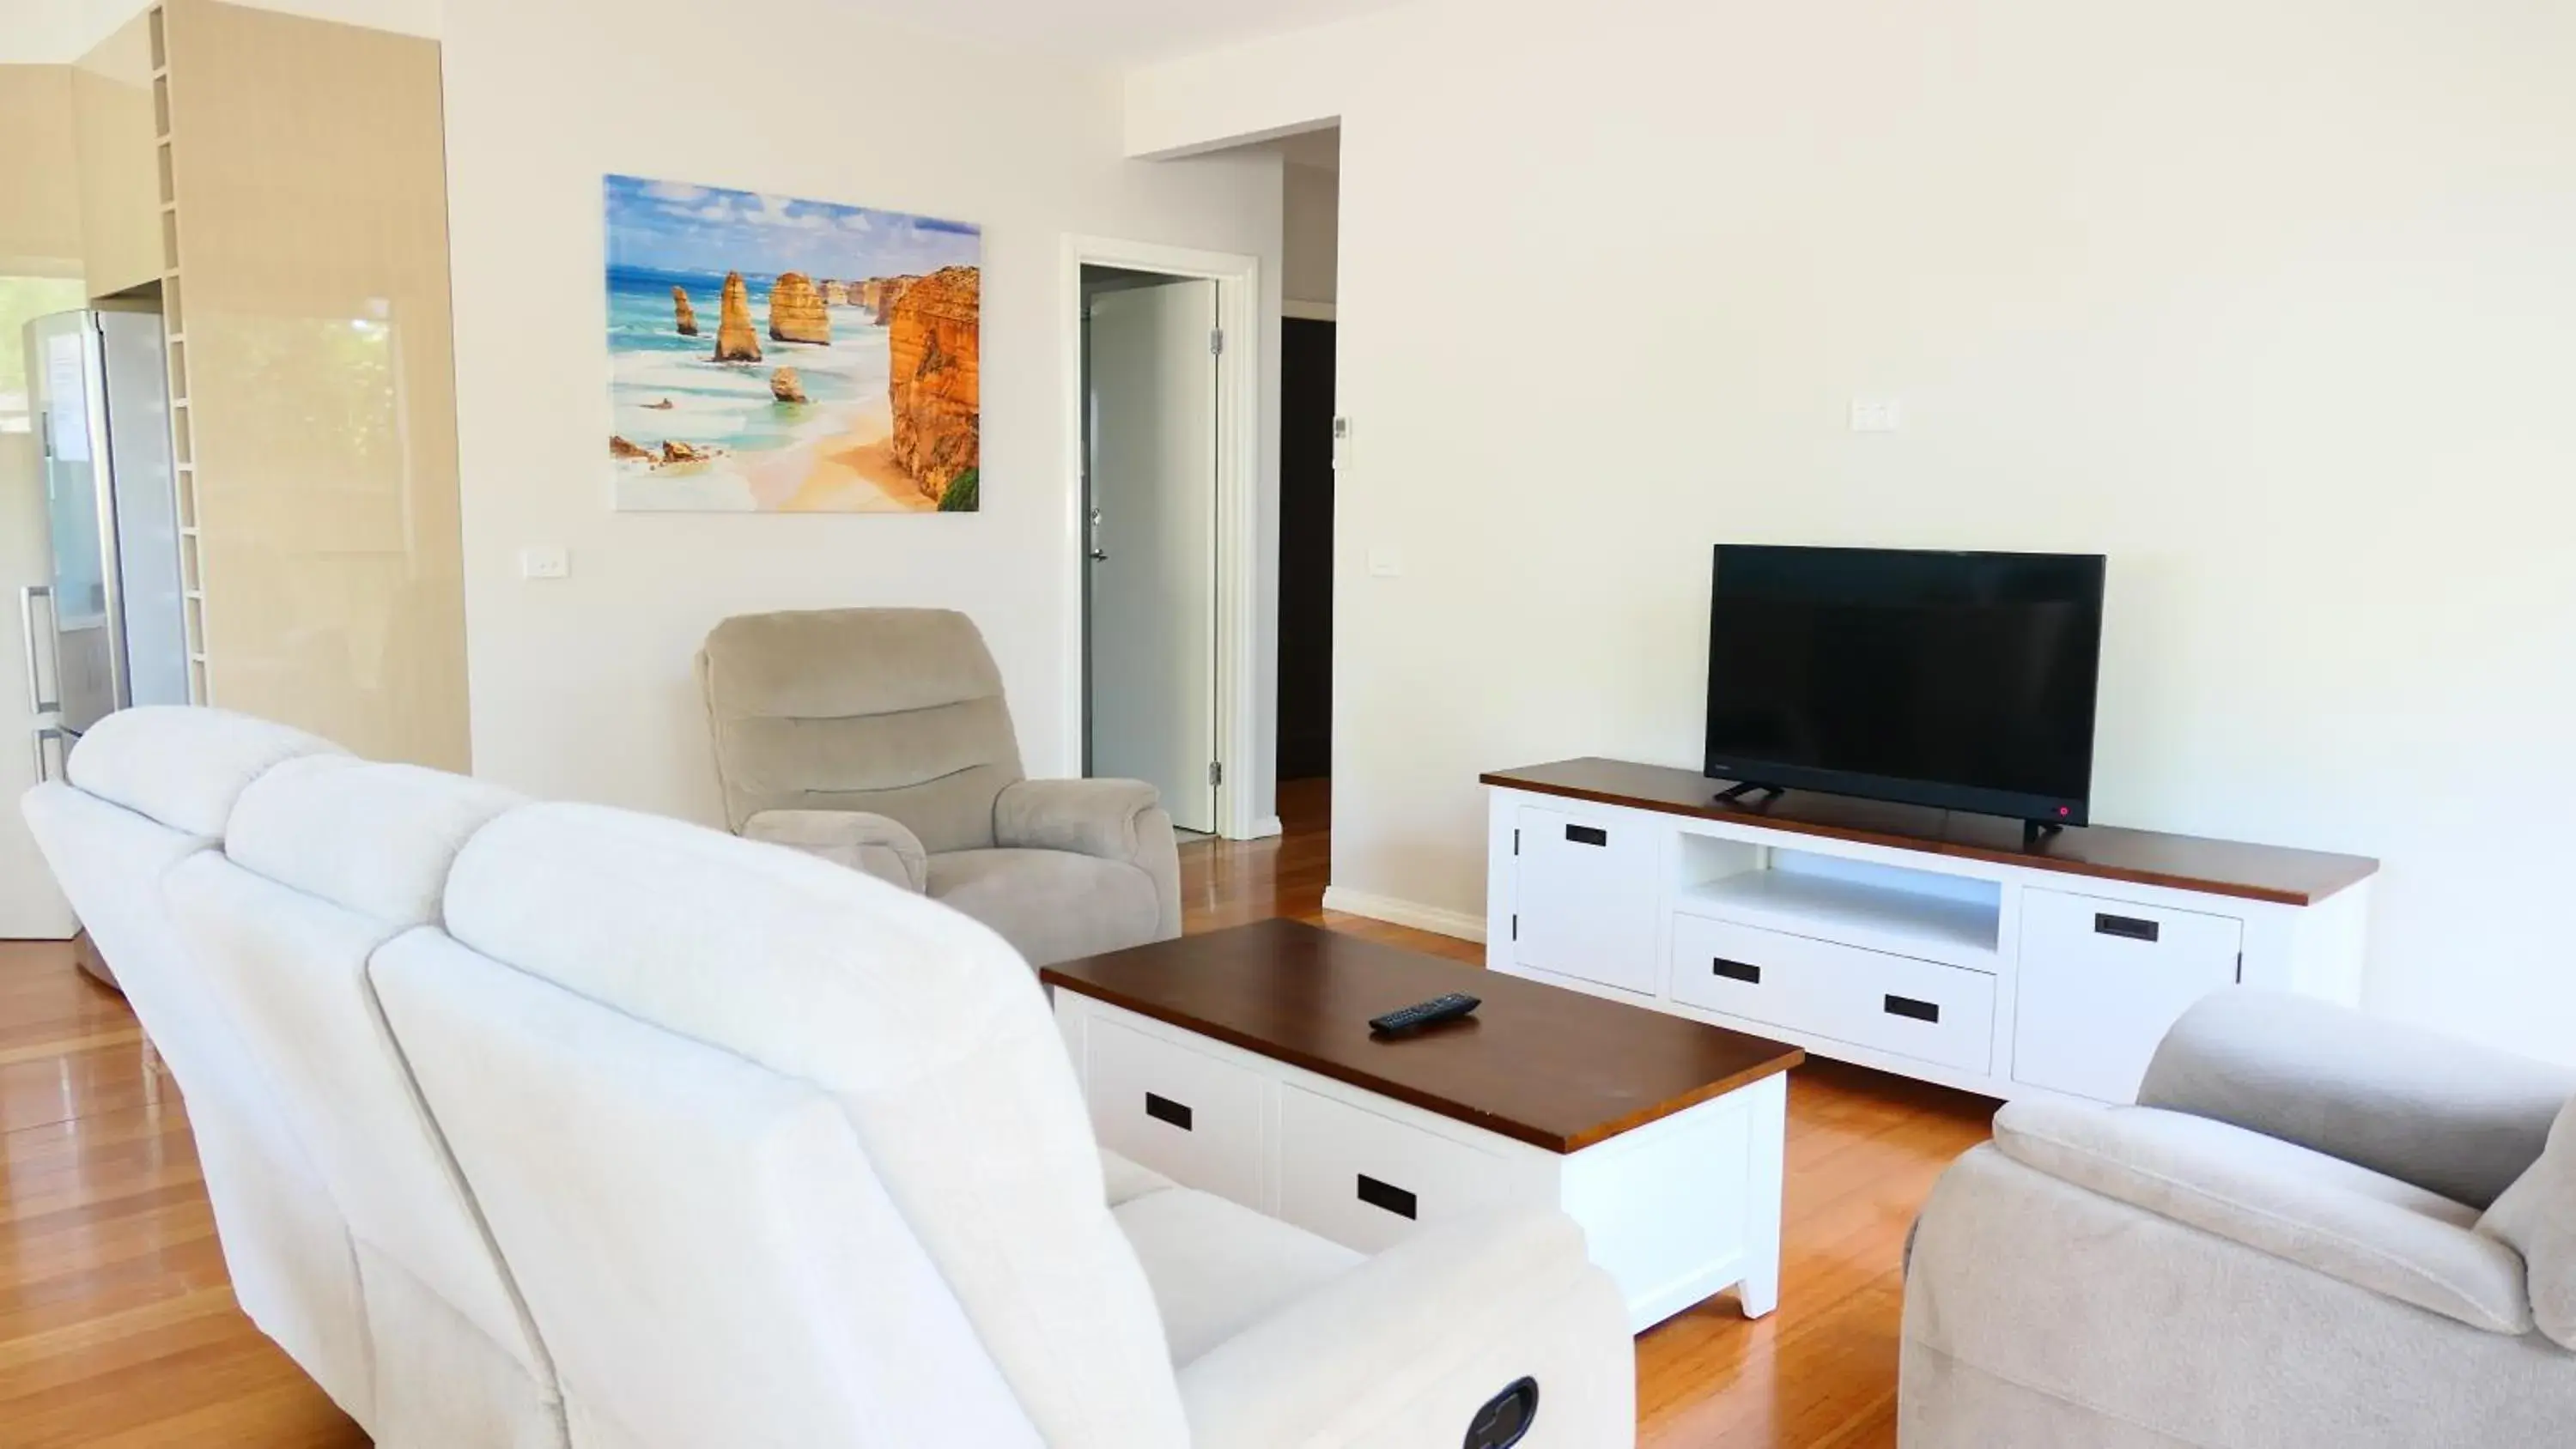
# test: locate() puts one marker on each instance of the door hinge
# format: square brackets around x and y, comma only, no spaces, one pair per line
[1516,928]
[1516,842]
[1216,772]
[1216,341]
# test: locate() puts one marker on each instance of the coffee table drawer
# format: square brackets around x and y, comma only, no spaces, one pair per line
[1185,1114]
[1365,1181]
[1920,1009]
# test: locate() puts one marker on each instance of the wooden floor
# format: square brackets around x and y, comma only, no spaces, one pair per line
[117,1329]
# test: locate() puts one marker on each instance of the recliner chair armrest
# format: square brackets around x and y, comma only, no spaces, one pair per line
[1405,1349]
[2322,1213]
[2457,1119]
[1119,820]
[876,845]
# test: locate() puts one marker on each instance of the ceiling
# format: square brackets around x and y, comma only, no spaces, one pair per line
[1119,32]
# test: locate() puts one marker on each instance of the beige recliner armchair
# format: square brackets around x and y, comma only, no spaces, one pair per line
[2316,1228]
[879,738]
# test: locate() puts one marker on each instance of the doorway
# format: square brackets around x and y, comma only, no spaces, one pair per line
[1162,409]
[1305,549]
[1151,344]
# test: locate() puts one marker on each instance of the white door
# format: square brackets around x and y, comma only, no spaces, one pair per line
[1153,567]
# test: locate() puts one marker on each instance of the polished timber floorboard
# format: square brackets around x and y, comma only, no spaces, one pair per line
[117,1329]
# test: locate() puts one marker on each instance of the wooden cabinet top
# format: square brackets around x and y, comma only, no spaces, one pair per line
[2104,852]
[1554,1068]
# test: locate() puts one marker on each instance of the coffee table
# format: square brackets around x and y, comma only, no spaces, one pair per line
[1240,1063]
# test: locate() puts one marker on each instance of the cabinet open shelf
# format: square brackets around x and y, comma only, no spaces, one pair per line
[1941,928]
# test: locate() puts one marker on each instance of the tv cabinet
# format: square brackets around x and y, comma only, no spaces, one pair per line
[1923,942]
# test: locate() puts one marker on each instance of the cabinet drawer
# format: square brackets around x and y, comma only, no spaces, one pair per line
[1870,998]
[1186,1115]
[1585,896]
[2102,981]
[1365,1181]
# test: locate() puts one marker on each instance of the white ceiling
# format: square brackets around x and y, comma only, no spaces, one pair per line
[1118,32]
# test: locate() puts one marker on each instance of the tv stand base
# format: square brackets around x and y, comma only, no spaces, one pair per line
[1741,789]
[2035,831]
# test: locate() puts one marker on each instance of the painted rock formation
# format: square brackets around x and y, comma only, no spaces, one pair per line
[618,447]
[796,311]
[786,386]
[836,294]
[932,379]
[683,313]
[890,290]
[735,341]
[674,451]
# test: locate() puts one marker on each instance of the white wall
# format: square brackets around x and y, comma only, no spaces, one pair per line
[2273,304]
[582,688]
[1311,229]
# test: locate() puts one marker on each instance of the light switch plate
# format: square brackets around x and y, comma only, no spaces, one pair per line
[1877,415]
[544,561]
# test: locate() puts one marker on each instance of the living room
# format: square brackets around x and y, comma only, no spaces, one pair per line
[2268,309]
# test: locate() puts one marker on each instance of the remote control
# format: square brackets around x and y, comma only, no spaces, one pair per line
[1423,1013]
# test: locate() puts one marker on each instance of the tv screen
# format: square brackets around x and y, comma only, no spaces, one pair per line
[1958,680]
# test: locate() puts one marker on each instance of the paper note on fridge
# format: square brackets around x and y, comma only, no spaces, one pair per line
[66,398]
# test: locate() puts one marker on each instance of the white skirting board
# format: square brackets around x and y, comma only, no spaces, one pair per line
[1405,913]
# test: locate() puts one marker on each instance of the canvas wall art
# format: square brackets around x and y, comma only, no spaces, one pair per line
[769,354]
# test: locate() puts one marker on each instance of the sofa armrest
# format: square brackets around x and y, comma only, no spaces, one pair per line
[1120,820]
[875,845]
[1405,1349]
[2461,1120]
[2320,1212]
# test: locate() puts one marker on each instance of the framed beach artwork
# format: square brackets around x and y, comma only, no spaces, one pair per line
[768,354]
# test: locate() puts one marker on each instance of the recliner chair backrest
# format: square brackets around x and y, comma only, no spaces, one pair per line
[149,789]
[327,860]
[783,1155]
[895,711]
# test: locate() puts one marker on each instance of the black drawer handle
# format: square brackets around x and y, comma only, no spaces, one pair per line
[1164,1109]
[2127,928]
[1587,835]
[1736,970]
[1908,1006]
[1386,1195]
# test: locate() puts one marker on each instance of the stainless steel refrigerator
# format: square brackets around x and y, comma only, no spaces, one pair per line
[110,627]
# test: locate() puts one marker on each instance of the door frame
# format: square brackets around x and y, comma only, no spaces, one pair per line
[1239,577]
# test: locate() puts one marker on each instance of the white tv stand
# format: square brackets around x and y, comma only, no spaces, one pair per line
[1921,942]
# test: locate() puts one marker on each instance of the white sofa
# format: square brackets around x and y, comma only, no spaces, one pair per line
[641,1135]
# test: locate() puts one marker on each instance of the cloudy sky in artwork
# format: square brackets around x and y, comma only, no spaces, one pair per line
[673,226]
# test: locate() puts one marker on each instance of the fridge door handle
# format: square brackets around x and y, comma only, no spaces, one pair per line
[44,763]
[27,597]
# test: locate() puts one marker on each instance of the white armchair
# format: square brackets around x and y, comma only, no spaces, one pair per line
[2316,1228]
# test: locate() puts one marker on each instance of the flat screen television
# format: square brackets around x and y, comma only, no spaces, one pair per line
[1963,681]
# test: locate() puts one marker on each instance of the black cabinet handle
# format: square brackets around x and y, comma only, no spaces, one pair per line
[1736,970]
[1908,1006]
[1386,1195]
[1164,1109]
[1587,835]
[2127,928]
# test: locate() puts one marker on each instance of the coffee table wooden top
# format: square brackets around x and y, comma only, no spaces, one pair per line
[1550,1067]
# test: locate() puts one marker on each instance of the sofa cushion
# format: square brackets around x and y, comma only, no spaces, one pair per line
[924,1032]
[181,766]
[1217,1267]
[1051,905]
[1128,1180]
[376,839]
[2537,1216]
[2320,1212]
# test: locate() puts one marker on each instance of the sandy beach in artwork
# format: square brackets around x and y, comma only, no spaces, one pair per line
[850,471]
